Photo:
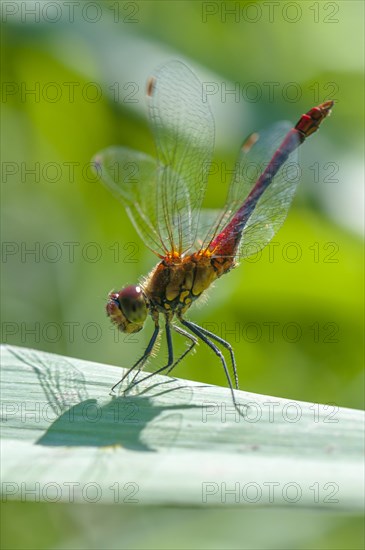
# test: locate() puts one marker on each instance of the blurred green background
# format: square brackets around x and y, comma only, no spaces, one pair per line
[73,80]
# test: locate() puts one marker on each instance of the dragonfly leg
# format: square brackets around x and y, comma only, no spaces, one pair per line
[224,343]
[171,364]
[200,333]
[170,360]
[141,361]
[193,340]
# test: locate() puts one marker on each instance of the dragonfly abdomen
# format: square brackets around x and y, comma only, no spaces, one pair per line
[227,242]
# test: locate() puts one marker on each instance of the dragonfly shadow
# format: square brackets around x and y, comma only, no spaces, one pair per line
[128,421]
[120,423]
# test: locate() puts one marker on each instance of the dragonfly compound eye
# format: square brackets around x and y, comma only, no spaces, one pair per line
[128,308]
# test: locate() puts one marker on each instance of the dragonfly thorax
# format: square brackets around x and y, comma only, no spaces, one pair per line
[176,283]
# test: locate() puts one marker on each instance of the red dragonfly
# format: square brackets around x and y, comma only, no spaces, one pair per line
[163,198]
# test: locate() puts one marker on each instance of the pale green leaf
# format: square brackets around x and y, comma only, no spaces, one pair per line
[168,442]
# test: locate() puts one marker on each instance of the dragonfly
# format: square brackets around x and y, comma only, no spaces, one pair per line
[163,198]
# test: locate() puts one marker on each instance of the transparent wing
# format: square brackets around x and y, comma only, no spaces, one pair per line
[271,208]
[131,177]
[163,197]
[208,219]
[183,129]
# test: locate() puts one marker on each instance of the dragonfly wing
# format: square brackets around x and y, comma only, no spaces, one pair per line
[272,207]
[183,128]
[208,219]
[131,177]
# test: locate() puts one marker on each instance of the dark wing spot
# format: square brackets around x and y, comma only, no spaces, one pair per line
[151,86]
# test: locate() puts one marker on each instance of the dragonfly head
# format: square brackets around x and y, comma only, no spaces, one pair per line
[128,308]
